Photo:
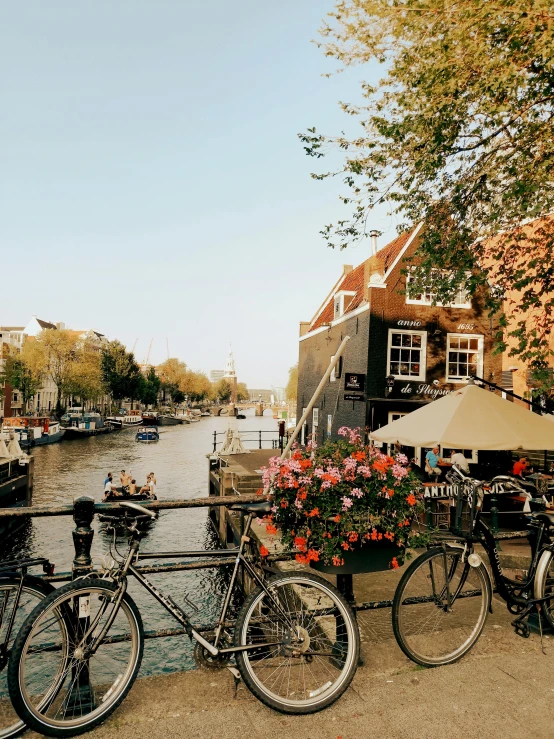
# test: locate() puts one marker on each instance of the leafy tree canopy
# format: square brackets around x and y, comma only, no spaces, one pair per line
[120,372]
[20,376]
[458,134]
[242,392]
[223,391]
[292,385]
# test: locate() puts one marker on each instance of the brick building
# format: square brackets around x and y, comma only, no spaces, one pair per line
[403,351]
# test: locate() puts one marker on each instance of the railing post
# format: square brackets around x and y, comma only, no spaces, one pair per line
[260,435]
[215,442]
[83,513]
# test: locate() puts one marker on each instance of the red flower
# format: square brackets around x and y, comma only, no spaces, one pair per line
[305,463]
[313,512]
[270,528]
[300,543]
[336,519]
[345,546]
[264,551]
[302,494]
[359,456]
[389,536]
[297,455]
[326,535]
[302,559]
[374,535]
[312,555]
[411,499]
[352,536]
[260,491]
[394,563]
[338,562]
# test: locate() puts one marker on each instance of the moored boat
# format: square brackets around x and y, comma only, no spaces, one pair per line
[167,420]
[128,420]
[150,418]
[32,431]
[147,433]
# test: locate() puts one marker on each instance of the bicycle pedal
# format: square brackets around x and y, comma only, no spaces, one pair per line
[522,630]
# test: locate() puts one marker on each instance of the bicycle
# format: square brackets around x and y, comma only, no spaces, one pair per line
[19,594]
[442,600]
[295,639]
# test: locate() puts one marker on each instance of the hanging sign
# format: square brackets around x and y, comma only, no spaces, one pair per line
[354,381]
[353,396]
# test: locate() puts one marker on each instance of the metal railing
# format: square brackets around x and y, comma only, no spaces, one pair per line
[255,437]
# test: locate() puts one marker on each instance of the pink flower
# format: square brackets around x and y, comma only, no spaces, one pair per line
[402,459]
[357,493]
[343,431]
[398,471]
[298,504]
[346,503]
[364,470]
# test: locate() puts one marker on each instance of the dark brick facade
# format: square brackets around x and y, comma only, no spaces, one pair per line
[383,308]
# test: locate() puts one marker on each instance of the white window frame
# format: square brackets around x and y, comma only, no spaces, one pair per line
[423,362]
[480,348]
[397,413]
[339,298]
[427,299]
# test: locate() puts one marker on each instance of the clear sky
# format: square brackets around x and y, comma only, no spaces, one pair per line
[152,185]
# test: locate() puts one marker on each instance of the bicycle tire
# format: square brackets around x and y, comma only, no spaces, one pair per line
[544,584]
[326,620]
[33,587]
[458,625]
[63,608]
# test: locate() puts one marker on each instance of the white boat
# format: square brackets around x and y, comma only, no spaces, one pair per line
[32,430]
[133,418]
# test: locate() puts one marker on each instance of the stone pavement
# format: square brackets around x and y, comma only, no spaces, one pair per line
[503,689]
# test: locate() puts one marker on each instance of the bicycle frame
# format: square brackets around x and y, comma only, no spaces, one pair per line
[236,555]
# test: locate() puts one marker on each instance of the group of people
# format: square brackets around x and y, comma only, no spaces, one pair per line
[129,485]
[433,460]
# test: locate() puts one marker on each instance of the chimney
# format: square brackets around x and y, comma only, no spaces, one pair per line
[60,326]
[346,269]
[373,236]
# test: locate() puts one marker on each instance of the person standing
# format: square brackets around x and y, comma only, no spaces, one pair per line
[460,461]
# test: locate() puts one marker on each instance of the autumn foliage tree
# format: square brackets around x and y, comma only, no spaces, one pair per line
[458,134]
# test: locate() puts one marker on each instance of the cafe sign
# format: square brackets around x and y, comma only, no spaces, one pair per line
[354,381]
[422,388]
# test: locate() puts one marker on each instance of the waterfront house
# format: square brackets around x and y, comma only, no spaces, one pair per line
[403,351]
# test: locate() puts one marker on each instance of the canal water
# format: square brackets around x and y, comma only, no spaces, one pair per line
[69,469]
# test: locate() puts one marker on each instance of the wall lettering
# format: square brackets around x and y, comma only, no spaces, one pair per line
[424,389]
[466,326]
[408,323]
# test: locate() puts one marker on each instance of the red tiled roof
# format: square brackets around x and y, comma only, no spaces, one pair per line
[354,281]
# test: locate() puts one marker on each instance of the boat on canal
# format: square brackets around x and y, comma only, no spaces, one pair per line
[16,480]
[147,433]
[32,430]
[85,425]
[150,418]
[168,420]
[126,420]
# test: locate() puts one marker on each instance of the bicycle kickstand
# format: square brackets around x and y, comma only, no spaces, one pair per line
[236,674]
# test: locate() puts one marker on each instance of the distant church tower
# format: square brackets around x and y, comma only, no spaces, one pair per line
[231,375]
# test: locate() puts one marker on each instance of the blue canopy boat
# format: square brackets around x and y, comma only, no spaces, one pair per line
[147,433]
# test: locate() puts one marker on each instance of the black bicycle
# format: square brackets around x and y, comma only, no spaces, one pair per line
[19,594]
[442,600]
[295,640]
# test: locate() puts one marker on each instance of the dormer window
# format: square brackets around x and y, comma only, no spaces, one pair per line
[426,297]
[341,302]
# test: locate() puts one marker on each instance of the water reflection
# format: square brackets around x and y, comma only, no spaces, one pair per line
[67,470]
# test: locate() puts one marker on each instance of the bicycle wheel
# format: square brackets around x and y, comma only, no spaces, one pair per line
[440,607]
[61,681]
[309,643]
[33,591]
[544,585]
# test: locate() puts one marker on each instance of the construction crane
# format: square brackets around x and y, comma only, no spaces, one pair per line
[134,346]
[148,355]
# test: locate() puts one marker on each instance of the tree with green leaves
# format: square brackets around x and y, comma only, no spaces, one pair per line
[85,373]
[458,134]
[121,374]
[150,388]
[291,391]
[242,392]
[59,349]
[223,391]
[20,376]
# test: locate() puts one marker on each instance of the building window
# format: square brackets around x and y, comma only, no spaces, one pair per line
[406,354]
[394,416]
[461,299]
[464,356]
[341,302]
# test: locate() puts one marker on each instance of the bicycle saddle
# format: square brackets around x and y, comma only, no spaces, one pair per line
[547,518]
[262,507]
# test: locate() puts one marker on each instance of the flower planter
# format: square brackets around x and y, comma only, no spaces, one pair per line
[371,557]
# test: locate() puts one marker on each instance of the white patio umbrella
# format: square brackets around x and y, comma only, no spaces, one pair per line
[470,418]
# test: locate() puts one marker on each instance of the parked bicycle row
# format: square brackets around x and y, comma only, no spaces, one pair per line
[70,655]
